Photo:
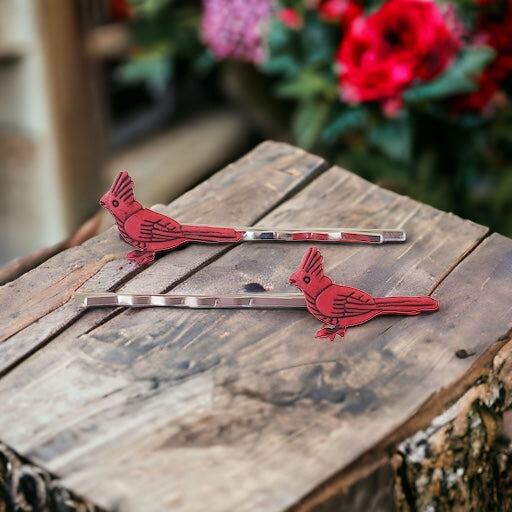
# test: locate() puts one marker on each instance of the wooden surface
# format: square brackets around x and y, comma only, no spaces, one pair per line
[244,410]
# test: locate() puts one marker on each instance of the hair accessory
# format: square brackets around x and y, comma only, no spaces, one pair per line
[150,232]
[338,307]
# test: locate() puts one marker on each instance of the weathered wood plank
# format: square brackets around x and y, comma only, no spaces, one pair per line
[241,193]
[471,349]
[244,410]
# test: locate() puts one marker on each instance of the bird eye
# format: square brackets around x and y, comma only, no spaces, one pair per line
[307,279]
[115,203]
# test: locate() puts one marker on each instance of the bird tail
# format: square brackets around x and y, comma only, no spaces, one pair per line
[211,234]
[406,305]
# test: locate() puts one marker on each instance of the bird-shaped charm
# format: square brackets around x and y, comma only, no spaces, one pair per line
[150,231]
[340,307]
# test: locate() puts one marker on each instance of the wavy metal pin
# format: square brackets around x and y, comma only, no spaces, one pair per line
[150,232]
[337,307]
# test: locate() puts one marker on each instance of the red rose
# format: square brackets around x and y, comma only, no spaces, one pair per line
[120,10]
[495,31]
[479,100]
[495,25]
[344,11]
[403,42]
[290,18]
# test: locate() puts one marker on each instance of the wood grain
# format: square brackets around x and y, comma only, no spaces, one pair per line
[51,298]
[241,193]
[244,410]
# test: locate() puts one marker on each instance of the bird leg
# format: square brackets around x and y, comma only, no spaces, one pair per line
[329,331]
[141,257]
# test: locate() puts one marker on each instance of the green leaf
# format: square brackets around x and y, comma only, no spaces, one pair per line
[278,36]
[174,29]
[350,119]
[307,85]
[309,122]
[319,40]
[154,68]
[149,8]
[392,138]
[459,78]
[503,192]
[281,64]
[205,62]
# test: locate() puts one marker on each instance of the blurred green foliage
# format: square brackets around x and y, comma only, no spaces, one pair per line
[460,162]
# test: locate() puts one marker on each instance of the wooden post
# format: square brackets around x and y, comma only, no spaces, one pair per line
[75,117]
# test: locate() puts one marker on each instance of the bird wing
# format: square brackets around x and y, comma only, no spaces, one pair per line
[343,301]
[150,226]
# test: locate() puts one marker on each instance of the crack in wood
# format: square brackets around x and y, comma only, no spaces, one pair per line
[51,299]
[458,261]
[276,156]
[257,384]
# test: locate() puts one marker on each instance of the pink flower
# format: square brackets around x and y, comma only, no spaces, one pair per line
[403,42]
[234,28]
[290,17]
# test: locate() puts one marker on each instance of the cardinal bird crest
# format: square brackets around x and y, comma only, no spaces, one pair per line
[312,263]
[310,277]
[122,188]
[119,200]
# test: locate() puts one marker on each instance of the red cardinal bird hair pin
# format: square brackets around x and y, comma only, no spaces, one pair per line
[150,232]
[340,307]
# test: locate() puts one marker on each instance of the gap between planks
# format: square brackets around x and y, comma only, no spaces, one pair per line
[379,455]
[458,261]
[119,310]
[299,187]
[320,169]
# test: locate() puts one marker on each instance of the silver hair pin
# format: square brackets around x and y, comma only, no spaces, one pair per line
[338,307]
[174,300]
[151,232]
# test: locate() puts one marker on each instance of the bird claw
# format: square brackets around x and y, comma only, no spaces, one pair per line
[141,257]
[331,332]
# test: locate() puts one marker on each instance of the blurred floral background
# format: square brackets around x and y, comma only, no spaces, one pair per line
[411,94]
